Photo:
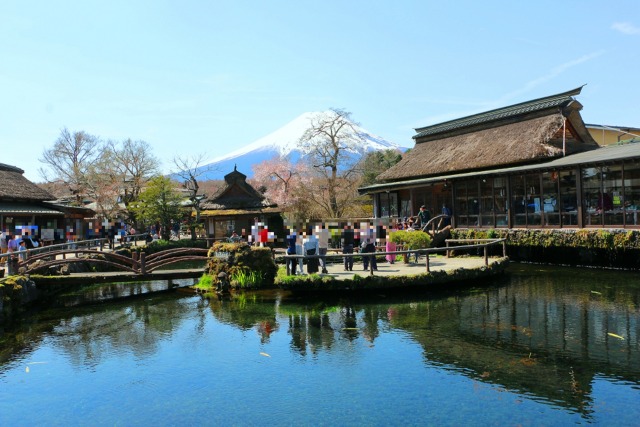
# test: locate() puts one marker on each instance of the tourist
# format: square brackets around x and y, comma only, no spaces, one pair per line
[310,247]
[446,219]
[423,217]
[369,247]
[3,243]
[390,247]
[322,234]
[346,239]
[291,250]
[22,251]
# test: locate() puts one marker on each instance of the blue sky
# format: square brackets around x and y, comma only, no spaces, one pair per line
[193,77]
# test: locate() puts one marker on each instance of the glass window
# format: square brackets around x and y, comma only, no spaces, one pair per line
[500,201]
[612,195]
[550,205]
[534,200]
[518,201]
[393,204]
[592,202]
[568,198]
[486,202]
[631,193]
[460,207]
[473,203]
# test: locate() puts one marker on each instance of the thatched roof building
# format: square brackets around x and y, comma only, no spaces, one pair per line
[533,164]
[528,132]
[15,187]
[235,207]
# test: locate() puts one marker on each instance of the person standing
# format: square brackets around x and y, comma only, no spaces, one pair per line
[423,217]
[390,246]
[291,250]
[310,248]
[3,242]
[322,234]
[22,251]
[347,247]
[369,248]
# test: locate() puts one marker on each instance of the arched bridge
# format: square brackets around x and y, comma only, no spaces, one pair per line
[139,262]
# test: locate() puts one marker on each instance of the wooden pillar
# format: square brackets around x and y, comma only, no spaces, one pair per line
[486,254]
[134,257]
[143,267]
[427,262]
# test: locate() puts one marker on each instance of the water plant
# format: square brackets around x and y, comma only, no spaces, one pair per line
[244,279]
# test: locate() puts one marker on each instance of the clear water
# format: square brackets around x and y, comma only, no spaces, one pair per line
[543,346]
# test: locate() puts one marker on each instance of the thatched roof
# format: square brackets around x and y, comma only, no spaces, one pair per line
[521,134]
[237,194]
[14,186]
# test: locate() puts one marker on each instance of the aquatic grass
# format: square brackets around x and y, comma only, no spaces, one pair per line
[244,279]
[205,283]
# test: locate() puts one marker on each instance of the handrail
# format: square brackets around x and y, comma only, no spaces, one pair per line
[424,251]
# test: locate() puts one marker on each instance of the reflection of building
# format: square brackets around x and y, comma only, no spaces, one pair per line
[235,208]
[533,164]
[24,208]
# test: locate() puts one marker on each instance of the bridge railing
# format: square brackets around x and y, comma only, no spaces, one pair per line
[472,244]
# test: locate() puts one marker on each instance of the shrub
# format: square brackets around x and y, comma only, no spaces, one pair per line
[411,239]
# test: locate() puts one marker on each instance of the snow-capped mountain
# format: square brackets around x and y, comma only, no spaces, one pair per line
[282,142]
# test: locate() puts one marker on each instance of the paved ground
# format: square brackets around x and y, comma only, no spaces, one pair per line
[402,269]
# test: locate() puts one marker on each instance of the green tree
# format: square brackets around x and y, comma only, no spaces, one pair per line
[160,202]
[376,162]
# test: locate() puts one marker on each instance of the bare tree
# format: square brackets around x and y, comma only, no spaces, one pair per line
[332,145]
[134,165]
[190,169]
[70,159]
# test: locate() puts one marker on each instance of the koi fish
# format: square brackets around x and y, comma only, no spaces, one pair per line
[596,292]
[264,354]
[615,335]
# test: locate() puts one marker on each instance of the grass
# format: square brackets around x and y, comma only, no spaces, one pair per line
[243,279]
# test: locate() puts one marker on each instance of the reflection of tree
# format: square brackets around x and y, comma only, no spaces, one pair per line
[137,326]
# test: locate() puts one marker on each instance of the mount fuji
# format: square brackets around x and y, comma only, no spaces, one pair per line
[283,142]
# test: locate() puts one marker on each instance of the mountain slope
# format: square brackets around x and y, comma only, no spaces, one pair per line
[282,142]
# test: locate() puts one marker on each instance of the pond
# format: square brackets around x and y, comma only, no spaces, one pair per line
[541,346]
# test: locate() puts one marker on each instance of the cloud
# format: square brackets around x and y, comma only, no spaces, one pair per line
[625,28]
[508,97]
[553,73]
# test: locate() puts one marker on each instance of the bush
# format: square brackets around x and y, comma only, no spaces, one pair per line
[245,266]
[411,239]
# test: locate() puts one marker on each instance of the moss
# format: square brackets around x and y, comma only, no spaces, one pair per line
[242,260]
[609,248]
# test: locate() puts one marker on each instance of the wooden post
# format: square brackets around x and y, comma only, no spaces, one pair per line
[136,264]
[287,263]
[504,248]
[143,267]
[427,261]
[447,249]
[486,254]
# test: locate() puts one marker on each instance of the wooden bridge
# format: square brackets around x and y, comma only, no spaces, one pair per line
[139,263]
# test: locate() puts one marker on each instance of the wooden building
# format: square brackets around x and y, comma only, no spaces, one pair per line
[23,206]
[237,206]
[532,164]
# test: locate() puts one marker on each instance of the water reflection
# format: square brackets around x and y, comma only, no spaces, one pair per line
[548,336]
[554,335]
